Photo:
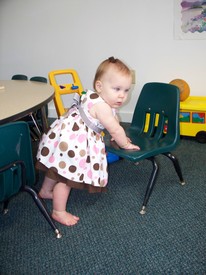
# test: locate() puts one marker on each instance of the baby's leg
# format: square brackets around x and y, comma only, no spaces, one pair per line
[60,196]
[46,191]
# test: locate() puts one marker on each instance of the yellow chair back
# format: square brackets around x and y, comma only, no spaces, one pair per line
[64,88]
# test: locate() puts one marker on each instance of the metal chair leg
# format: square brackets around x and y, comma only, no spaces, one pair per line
[35,123]
[150,185]
[42,207]
[176,165]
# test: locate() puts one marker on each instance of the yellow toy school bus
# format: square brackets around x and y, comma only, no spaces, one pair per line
[193,118]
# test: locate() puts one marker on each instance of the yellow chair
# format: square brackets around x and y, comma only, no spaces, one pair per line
[64,88]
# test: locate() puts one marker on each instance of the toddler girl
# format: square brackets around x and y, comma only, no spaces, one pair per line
[72,153]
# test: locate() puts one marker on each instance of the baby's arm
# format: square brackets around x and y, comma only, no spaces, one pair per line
[104,114]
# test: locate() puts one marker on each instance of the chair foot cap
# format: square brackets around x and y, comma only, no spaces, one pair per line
[143,210]
[5,211]
[58,234]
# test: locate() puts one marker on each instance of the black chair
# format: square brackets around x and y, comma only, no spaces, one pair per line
[16,167]
[155,128]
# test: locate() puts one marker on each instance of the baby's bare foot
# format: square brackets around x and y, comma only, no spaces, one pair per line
[64,217]
[46,194]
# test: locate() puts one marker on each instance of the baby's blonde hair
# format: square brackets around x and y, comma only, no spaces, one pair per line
[103,67]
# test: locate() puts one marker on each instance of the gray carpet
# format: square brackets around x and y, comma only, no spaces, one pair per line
[112,237]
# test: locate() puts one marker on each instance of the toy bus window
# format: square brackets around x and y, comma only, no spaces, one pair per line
[184,117]
[198,117]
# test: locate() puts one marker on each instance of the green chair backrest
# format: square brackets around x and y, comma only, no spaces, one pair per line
[156,114]
[15,144]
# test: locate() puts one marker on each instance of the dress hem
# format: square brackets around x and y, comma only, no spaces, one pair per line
[50,173]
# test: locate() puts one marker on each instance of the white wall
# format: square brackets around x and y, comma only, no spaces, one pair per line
[43,35]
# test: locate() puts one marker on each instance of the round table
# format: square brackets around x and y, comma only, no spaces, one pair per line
[19,98]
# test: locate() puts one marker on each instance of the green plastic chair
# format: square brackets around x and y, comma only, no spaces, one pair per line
[43,80]
[39,79]
[16,167]
[155,128]
[19,77]
[34,119]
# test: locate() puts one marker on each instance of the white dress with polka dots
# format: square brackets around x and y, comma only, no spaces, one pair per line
[73,150]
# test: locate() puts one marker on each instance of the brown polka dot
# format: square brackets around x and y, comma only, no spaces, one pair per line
[62,164]
[75,127]
[44,151]
[96,166]
[72,168]
[88,159]
[94,96]
[71,153]
[52,135]
[81,177]
[63,126]
[103,151]
[63,146]
[74,114]
[82,153]
[102,183]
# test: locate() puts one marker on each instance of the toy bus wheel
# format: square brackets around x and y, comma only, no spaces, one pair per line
[201,136]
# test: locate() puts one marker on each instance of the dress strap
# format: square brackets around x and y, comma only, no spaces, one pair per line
[87,121]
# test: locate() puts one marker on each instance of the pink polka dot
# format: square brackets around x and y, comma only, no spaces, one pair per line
[56,143]
[81,138]
[105,182]
[89,174]
[82,163]
[51,159]
[73,136]
[90,104]
[96,150]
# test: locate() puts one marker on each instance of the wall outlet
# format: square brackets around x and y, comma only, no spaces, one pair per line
[133,77]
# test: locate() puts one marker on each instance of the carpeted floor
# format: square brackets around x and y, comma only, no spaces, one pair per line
[112,237]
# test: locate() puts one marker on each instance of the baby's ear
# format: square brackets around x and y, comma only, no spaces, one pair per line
[98,86]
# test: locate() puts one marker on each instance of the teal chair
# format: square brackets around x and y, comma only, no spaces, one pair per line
[19,77]
[36,124]
[16,167]
[33,119]
[155,128]
[39,79]
[44,80]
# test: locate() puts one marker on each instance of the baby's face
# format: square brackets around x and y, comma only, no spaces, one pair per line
[114,87]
